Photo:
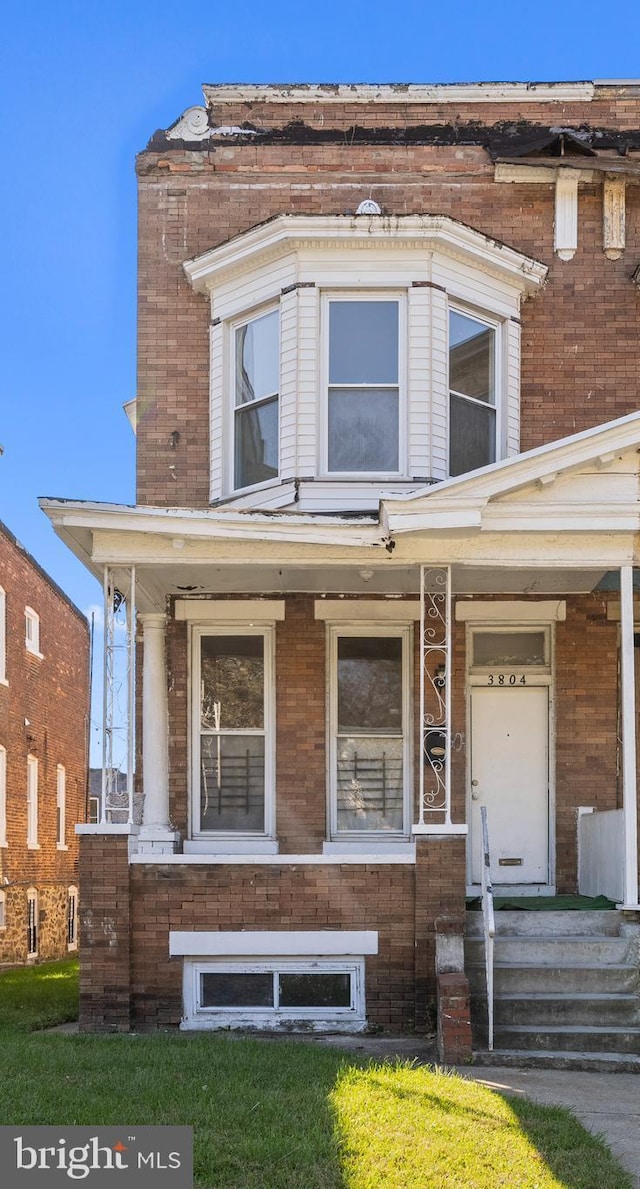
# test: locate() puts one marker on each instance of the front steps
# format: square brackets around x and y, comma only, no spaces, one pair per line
[566,990]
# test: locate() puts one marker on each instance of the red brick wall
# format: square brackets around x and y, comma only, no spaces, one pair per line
[573,374]
[44,712]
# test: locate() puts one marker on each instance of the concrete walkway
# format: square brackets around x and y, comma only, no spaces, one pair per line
[607,1104]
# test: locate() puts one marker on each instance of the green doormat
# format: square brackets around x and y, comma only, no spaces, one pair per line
[546,903]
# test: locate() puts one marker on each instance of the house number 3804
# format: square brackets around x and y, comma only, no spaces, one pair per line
[506,679]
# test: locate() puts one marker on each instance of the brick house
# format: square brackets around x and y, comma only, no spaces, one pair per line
[44,708]
[382,553]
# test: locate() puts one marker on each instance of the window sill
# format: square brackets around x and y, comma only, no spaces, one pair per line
[370,846]
[34,652]
[3,681]
[5,843]
[230,846]
[33,846]
[61,846]
[72,947]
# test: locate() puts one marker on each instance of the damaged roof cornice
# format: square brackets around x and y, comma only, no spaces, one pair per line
[426,233]
[367,93]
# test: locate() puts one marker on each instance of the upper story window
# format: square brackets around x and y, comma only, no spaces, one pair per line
[61,807]
[363,399]
[472,392]
[394,354]
[32,631]
[256,428]
[32,803]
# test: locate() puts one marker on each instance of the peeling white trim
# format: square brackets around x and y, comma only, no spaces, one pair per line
[267,943]
[402,93]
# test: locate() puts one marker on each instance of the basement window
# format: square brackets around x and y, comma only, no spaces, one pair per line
[313,994]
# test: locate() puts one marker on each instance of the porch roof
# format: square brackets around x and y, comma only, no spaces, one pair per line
[553,519]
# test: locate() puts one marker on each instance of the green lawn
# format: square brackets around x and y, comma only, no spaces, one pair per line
[285,1115]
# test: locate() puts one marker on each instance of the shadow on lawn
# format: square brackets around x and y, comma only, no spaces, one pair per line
[403,1125]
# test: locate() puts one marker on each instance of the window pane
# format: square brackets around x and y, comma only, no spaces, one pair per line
[370,684]
[232,683]
[236,990]
[509,648]
[363,342]
[232,782]
[472,435]
[471,352]
[370,784]
[256,453]
[257,358]
[363,429]
[315,990]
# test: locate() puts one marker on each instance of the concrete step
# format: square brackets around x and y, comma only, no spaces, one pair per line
[560,950]
[558,1059]
[543,924]
[567,1038]
[548,1011]
[530,977]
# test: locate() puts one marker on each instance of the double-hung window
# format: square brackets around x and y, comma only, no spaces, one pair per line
[472,392]
[61,807]
[363,400]
[256,392]
[234,743]
[370,736]
[32,802]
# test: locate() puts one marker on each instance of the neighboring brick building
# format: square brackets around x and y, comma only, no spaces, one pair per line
[388,432]
[44,707]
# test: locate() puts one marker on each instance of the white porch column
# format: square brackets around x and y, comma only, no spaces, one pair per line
[629,781]
[156,833]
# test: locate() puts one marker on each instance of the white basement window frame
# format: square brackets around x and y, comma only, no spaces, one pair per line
[72,918]
[228,837]
[340,385]
[32,924]
[385,834]
[3,909]
[277,979]
[32,632]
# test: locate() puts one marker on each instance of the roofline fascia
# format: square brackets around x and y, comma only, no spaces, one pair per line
[402,93]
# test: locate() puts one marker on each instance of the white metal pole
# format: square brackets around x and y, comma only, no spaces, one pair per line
[629,778]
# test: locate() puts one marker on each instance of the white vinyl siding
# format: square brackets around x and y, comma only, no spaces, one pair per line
[288,382]
[216,409]
[511,393]
[419,382]
[308,364]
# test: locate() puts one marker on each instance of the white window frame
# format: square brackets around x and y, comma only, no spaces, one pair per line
[32,803]
[61,807]
[336,1019]
[228,837]
[72,917]
[94,810]
[3,909]
[32,632]
[3,796]
[499,379]
[327,297]
[231,327]
[32,898]
[373,839]
[3,637]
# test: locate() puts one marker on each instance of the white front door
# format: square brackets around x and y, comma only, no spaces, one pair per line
[510,775]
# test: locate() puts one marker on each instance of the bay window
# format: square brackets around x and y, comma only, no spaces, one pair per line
[370,761]
[472,392]
[233,740]
[256,393]
[363,403]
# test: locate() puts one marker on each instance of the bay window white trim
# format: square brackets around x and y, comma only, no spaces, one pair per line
[220,839]
[376,838]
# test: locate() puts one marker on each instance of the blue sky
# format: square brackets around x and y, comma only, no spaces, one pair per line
[84,85]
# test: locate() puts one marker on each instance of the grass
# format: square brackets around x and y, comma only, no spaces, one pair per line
[285,1115]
